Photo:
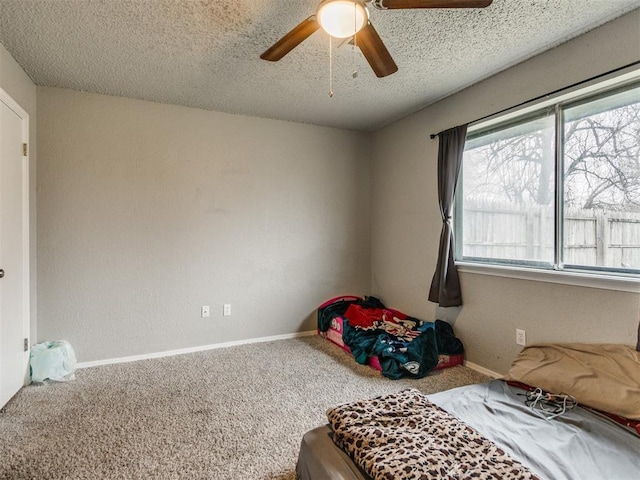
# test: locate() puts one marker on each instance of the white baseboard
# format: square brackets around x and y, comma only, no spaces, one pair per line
[482,370]
[181,351]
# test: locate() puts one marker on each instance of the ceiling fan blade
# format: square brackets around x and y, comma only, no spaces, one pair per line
[291,40]
[397,4]
[375,52]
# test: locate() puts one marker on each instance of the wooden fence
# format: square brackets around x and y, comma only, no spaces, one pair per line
[591,237]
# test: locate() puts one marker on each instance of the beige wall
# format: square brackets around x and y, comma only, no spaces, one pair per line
[19,86]
[149,211]
[406,220]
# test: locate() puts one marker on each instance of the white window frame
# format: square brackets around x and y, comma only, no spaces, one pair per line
[609,280]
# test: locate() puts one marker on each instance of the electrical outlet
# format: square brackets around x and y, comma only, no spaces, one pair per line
[521,337]
[204,311]
[226,309]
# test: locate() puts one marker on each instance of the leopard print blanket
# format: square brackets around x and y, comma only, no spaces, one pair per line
[405,436]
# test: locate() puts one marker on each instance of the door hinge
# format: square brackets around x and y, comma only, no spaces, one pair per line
[25,150]
[26,344]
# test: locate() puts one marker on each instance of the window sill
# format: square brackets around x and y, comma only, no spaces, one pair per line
[619,283]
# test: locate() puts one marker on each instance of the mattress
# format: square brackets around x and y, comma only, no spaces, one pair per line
[580,444]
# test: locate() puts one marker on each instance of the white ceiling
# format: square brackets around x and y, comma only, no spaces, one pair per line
[205,53]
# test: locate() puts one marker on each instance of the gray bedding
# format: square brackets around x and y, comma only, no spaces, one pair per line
[578,445]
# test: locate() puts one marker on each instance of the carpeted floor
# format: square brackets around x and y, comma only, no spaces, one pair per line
[230,413]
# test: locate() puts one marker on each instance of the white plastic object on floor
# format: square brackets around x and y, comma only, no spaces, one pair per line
[52,361]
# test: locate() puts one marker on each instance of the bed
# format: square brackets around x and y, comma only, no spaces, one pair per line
[388,340]
[494,430]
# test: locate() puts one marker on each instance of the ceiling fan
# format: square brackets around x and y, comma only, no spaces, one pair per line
[350,18]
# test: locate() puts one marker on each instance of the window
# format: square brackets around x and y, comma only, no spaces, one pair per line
[557,188]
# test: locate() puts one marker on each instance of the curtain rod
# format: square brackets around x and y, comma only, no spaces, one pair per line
[540,97]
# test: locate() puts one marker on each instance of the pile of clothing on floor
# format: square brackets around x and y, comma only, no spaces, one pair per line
[405,346]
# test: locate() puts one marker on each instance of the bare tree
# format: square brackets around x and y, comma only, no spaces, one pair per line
[601,162]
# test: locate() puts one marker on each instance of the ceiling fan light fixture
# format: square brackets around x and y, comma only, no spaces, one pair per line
[342,18]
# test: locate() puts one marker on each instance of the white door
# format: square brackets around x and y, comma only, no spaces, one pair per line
[14,247]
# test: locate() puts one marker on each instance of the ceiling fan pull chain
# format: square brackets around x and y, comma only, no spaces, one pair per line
[330,67]
[354,44]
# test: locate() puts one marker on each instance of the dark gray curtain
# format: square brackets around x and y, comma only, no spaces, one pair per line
[638,344]
[445,286]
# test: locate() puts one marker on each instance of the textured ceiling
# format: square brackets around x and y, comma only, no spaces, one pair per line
[205,53]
